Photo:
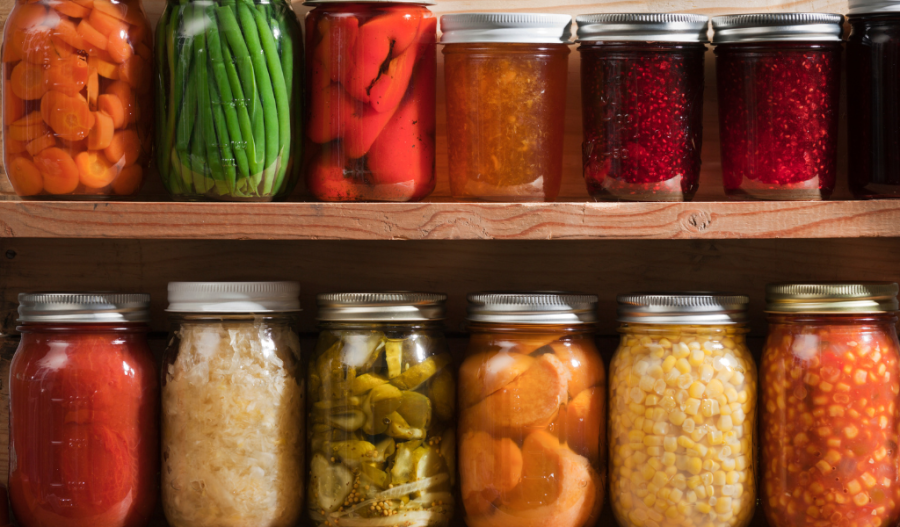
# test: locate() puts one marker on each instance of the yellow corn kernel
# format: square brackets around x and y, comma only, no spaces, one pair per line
[694,481]
[703,508]
[725,423]
[833,457]
[718,477]
[826,386]
[654,463]
[723,505]
[651,400]
[732,477]
[668,364]
[824,466]
[696,357]
[660,428]
[668,459]
[635,436]
[701,492]
[689,425]
[660,479]
[851,431]
[694,466]
[679,481]
[706,373]
[692,406]
[676,495]
[649,500]
[653,441]
[710,466]
[731,394]
[868,480]
[670,443]
[654,451]
[715,387]
[860,376]
[861,499]
[729,463]
[715,437]
[853,486]
[677,417]
[709,407]
[683,366]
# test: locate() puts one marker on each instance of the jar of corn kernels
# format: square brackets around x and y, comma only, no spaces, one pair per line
[682,412]
[829,406]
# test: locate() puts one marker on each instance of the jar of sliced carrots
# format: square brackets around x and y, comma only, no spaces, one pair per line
[76,98]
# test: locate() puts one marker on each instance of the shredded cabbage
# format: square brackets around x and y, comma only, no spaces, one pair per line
[232,427]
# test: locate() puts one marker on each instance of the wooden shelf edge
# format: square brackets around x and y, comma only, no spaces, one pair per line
[449,221]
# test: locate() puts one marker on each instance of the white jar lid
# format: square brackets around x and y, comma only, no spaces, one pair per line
[511,28]
[866,7]
[234,297]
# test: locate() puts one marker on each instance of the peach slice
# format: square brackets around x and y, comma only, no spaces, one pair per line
[488,468]
[524,343]
[584,364]
[485,373]
[584,423]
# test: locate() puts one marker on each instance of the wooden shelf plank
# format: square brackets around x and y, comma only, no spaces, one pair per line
[449,221]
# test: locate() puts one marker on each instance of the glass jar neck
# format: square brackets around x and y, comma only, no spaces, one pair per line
[218,318]
[60,327]
[641,46]
[849,319]
[570,329]
[750,47]
[506,48]
[423,325]
[731,330]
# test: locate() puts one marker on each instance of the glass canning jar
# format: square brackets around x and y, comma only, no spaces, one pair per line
[506,78]
[779,79]
[532,393]
[370,84]
[642,103]
[382,437]
[683,412]
[233,400]
[874,98]
[831,379]
[77,98]
[83,412]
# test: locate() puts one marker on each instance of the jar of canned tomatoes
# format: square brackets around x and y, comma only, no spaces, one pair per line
[779,78]
[873,95]
[642,101]
[84,396]
[370,85]
[831,386]
[506,76]
[683,412]
[532,393]
[77,101]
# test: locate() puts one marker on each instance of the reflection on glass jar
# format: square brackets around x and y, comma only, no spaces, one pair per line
[233,398]
[683,412]
[382,441]
[831,384]
[77,98]
[532,400]
[778,104]
[83,412]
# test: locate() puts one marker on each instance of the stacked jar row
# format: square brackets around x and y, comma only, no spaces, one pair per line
[390,437]
[78,109]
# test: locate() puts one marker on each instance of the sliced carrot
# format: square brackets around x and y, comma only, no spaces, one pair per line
[102,133]
[125,148]
[101,54]
[67,76]
[59,171]
[137,33]
[136,72]
[36,45]
[11,53]
[144,51]
[93,88]
[67,31]
[104,68]
[112,106]
[32,119]
[27,128]
[89,4]
[69,116]
[91,35]
[119,48]
[94,169]
[14,147]
[105,24]
[43,142]
[25,176]
[123,91]
[24,20]
[129,180]
[124,13]
[13,107]
[71,9]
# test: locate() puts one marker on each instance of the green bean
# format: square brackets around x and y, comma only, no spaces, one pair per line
[186,118]
[226,153]
[254,161]
[228,102]
[282,100]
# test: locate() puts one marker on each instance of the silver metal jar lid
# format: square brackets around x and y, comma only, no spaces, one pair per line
[777,27]
[234,297]
[399,306]
[693,308]
[643,27]
[511,28]
[533,308]
[832,297]
[84,308]
[325,2]
[867,7]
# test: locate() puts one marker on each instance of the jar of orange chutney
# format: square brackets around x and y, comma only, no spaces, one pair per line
[831,379]
[506,98]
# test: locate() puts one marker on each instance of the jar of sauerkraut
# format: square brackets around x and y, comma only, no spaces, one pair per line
[232,406]
[829,406]
[382,435]
[682,412]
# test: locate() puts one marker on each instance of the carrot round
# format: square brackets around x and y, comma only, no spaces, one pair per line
[112,106]
[67,76]
[129,180]
[13,107]
[123,91]
[41,143]
[71,9]
[105,24]
[25,176]
[136,72]
[125,148]
[67,32]
[119,48]
[102,133]
[92,36]
[14,147]
[94,170]
[11,53]
[27,81]
[59,171]
[69,116]
[27,128]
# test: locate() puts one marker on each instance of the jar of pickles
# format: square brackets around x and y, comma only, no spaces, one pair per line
[683,412]
[642,101]
[831,386]
[77,98]
[873,95]
[83,398]
[506,76]
[532,393]
[233,401]
[382,436]
[370,83]
[779,78]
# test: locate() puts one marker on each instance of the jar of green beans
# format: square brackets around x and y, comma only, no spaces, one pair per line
[226,99]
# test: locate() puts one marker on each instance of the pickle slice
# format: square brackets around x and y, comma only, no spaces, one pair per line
[400,429]
[393,355]
[443,395]
[366,382]
[415,376]
[382,401]
[349,421]
[330,484]
[354,453]
[386,449]
[428,463]
[402,470]
[373,476]
[448,450]
[361,350]
[415,409]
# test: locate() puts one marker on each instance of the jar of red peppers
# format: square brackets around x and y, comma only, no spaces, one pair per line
[642,101]
[831,380]
[77,101]
[506,77]
[83,412]
[370,83]
[874,98]
[779,78]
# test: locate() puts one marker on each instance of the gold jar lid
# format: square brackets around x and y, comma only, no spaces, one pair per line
[832,297]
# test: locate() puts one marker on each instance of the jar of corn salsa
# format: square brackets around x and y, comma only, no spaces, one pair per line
[682,412]
[831,379]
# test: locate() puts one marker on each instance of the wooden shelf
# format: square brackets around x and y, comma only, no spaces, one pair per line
[449,221]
